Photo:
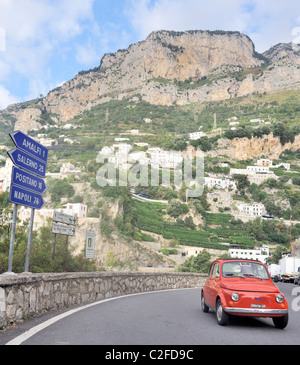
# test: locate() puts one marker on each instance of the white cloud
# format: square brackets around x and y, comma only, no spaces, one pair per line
[5,98]
[36,32]
[267,22]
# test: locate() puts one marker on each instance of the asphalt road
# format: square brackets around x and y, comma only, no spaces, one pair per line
[164,318]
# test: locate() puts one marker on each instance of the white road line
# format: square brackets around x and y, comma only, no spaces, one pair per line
[33,331]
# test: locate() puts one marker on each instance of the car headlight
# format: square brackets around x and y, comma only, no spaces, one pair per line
[279,298]
[235,297]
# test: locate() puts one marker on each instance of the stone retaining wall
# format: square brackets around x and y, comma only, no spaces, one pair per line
[23,296]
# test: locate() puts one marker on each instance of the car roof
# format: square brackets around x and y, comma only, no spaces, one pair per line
[236,259]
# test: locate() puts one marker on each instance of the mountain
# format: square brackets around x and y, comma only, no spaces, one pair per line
[168,68]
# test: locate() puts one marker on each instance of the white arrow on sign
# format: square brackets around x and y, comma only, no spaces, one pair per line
[64,218]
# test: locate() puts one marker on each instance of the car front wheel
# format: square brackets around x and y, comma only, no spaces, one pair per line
[281,322]
[203,304]
[222,316]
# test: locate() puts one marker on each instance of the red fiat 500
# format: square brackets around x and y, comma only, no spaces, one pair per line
[243,288]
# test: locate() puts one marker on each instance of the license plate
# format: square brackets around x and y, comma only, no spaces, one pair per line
[258,306]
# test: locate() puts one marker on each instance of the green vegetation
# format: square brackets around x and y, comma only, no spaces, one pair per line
[41,258]
[169,129]
[196,264]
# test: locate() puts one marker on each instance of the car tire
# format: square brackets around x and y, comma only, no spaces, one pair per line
[281,322]
[204,307]
[222,316]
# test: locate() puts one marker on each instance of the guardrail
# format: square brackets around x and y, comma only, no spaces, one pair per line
[28,295]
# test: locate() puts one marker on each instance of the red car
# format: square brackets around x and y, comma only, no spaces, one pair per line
[243,288]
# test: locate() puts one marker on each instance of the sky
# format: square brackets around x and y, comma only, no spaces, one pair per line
[44,43]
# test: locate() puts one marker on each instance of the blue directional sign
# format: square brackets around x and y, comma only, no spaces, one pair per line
[24,197]
[29,145]
[27,162]
[28,181]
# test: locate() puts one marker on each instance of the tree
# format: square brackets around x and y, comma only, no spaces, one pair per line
[196,264]
[243,182]
[284,133]
[296,180]
[60,188]
[174,208]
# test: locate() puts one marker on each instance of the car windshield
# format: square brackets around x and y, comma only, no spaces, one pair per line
[244,269]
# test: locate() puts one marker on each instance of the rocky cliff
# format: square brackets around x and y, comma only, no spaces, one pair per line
[168,68]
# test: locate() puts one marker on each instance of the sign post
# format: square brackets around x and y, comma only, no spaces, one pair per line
[67,228]
[29,240]
[12,239]
[27,184]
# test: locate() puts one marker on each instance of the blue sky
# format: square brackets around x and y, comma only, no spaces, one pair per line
[44,43]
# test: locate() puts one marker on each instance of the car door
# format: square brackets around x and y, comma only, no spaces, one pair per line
[212,284]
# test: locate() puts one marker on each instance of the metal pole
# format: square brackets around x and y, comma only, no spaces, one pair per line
[66,253]
[12,238]
[29,240]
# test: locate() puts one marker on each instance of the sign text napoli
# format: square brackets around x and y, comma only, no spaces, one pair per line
[24,197]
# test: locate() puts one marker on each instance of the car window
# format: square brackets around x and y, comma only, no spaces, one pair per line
[244,269]
[215,272]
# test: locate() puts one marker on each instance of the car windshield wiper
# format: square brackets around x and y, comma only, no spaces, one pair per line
[252,276]
[234,275]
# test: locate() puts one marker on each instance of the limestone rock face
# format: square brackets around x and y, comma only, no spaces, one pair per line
[169,68]
[244,148]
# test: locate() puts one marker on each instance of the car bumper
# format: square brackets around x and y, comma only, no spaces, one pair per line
[256,311]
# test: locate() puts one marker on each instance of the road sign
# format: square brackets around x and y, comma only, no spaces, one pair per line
[64,218]
[29,145]
[28,181]
[24,197]
[63,229]
[30,156]
[90,245]
[27,162]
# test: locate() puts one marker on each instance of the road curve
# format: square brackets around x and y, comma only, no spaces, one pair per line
[160,318]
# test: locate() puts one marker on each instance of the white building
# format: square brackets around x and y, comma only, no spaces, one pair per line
[259,169]
[40,216]
[5,176]
[197,135]
[164,159]
[68,168]
[122,147]
[121,139]
[133,132]
[264,162]
[253,210]
[47,142]
[78,210]
[216,182]
[254,175]
[139,156]
[106,151]
[257,254]
[285,165]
